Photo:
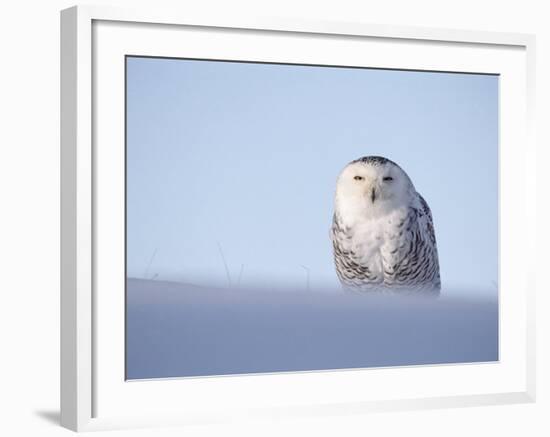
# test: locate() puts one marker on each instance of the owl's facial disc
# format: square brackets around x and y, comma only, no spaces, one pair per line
[371,189]
[373,182]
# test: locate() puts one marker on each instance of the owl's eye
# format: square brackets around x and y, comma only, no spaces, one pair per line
[387,179]
[358,178]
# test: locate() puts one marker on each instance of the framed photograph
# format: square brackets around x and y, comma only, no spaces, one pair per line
[270,218]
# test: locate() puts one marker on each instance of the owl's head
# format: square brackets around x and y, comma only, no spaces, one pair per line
[373,186]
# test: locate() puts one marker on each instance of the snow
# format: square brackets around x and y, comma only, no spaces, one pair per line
[182,330]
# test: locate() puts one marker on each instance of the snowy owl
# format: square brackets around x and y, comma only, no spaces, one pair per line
[382,231]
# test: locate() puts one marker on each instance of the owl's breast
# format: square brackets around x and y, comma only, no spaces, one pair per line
[366,242]
[371,239]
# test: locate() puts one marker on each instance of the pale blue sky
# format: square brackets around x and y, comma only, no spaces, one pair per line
[246,156]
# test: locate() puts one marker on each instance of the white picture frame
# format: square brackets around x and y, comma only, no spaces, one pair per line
[93,394]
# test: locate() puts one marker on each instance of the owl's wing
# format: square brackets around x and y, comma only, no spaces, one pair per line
[425,221]
[431,259]
[410,253]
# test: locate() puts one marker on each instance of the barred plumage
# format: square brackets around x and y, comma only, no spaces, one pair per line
[382,233]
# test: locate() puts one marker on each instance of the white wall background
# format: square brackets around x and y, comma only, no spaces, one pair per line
[29,219]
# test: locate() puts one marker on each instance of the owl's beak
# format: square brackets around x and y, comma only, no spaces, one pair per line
[373,195]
